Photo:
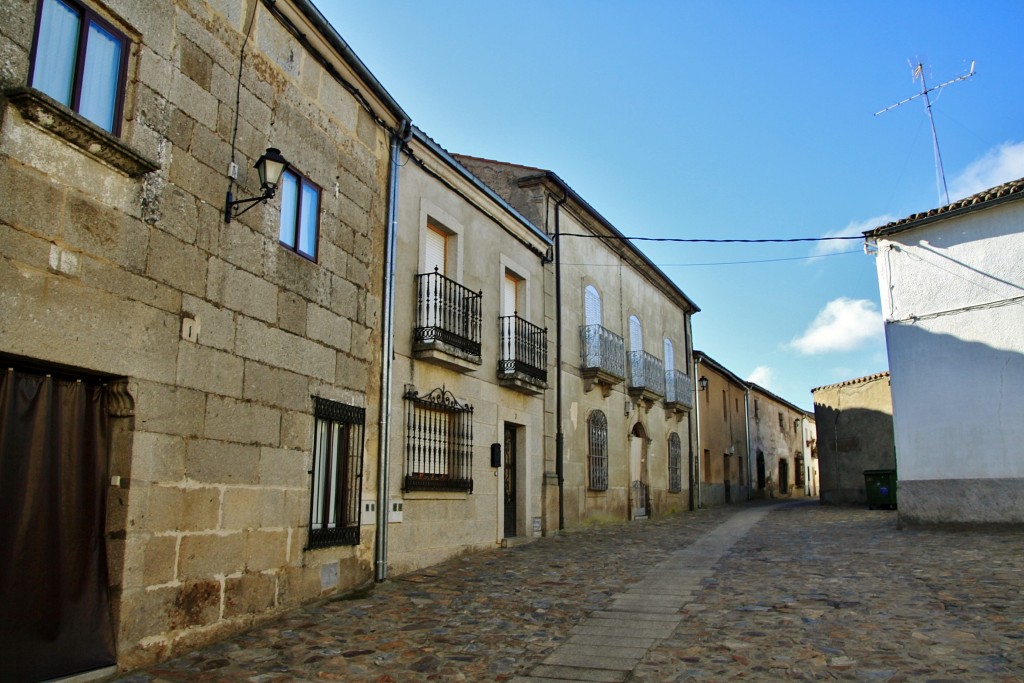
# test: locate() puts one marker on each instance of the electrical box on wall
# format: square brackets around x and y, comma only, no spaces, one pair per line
[369,515]
[395,509]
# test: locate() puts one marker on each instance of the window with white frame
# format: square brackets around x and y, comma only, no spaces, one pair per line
[300,214]
[597,450]
[80,60]
[337,473]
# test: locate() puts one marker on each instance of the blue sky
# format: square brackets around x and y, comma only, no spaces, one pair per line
[724,119]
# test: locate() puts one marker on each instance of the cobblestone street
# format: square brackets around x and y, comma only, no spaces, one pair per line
[783,592]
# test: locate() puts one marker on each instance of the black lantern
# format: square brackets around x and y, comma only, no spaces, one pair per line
[270,166]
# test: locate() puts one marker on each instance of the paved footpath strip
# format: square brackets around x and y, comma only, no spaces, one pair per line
[608,644]
[755,591]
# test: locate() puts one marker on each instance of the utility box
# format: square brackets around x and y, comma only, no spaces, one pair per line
[881,488]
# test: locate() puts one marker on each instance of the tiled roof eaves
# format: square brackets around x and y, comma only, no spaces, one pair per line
[553,177]
[779,399]
[719,368]
[858,380]
[450,159]
[982,200]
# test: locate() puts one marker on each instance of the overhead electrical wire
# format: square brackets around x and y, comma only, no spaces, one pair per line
[727,263]
[712,241]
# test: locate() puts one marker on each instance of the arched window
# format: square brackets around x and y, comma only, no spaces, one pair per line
[597,450]
[670,357]
[675,463]
[636,334]
[592,305]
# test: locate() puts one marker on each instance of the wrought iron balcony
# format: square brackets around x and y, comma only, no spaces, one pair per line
[646,375]
[678,390]
[602,356]
[448,314]
[523,352]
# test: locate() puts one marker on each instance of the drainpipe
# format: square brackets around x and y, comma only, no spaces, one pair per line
[746,430]
[380,551]
[559,434]
[695,461]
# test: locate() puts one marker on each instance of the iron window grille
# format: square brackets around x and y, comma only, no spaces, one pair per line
[675,463]
[81,61]
[438,442]
[337,474]
[524,348]
[597,450]
[447,312]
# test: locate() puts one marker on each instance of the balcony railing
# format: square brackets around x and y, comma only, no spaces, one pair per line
[602,352]
[678,389]
[447,312]
[646,373]
[524,348]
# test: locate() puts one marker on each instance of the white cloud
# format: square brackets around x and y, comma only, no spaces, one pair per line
[999,165]
[843,325]
[853,228]
[762,375]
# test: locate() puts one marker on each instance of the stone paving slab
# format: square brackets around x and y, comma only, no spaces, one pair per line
[809,593]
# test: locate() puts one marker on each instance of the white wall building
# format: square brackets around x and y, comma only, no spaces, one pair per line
[952,292]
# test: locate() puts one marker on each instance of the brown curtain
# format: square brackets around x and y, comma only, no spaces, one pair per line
[54,610]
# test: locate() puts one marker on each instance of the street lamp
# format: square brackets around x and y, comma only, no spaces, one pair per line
[270,166]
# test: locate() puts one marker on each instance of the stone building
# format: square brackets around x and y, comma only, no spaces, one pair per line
[619,444]
[471,362]
[783,446]
[950,280]
[213,376]
[854,420]
[722,438]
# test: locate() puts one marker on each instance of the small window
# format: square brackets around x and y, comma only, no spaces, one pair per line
[80,60]
[337,474]
[782,422]
[757,412]
[438,442]
[300,214]
[675,463]
[597,450]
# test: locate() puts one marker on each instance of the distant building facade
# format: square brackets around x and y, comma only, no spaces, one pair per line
[723,439]
[620,445]
[950,283]
[854,420]
[783,446]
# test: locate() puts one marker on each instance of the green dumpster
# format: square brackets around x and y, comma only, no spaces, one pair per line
[881,488]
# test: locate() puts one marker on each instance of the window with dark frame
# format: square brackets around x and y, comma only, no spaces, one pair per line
[675,463]
[597,450]
[81,61]
[300,214]
[438,442]
[337,474]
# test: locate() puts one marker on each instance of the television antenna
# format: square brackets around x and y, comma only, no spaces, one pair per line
[940,179]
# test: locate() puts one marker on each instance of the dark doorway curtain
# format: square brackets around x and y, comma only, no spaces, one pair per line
[54,611]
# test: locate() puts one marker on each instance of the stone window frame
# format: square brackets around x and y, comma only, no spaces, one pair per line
[88,17]
[336,474]
[597,451]
[293,213]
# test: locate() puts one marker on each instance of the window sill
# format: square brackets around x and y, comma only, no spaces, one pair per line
[53,117]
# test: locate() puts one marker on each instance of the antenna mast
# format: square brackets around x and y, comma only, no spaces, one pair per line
[919,73]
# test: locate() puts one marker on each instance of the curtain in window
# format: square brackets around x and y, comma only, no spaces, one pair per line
[54,610]
[54,70]
[98,100]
